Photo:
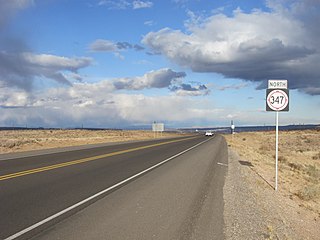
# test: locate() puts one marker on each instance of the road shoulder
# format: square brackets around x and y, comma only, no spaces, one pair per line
[252,208]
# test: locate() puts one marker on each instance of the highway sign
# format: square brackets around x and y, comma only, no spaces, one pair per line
[277,84]
[158,127]
[277,100]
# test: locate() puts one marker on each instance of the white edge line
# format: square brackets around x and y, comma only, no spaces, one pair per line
[26,230]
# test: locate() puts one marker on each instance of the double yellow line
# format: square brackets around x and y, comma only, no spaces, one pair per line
[83,160]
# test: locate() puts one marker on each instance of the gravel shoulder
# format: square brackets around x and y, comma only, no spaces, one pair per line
[254,210]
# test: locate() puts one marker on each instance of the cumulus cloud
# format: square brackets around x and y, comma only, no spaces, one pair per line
[19,66]
[14,99]
[141,4]
[164,78]
[72,106]
[185,89]
[98,105]
[20,69]
[149,23]
[118,4]
[257,46]
[123,4]
[102,45]
[161,78]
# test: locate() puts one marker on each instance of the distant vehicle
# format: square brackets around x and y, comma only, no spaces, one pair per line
[208,134]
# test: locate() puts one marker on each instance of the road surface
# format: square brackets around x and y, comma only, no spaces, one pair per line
[52,196]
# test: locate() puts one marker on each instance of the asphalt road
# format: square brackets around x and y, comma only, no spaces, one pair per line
[181,199]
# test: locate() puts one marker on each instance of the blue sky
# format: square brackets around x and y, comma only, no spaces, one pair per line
[105,63]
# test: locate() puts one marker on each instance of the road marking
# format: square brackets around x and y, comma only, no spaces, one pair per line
[34,226]
[83,160]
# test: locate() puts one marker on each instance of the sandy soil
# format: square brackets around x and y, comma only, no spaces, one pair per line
[25,140]
[298,194]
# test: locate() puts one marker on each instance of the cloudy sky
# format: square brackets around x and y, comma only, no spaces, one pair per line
[187,63]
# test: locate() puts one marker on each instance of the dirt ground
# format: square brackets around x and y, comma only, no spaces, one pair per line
[298,194]
[25,140]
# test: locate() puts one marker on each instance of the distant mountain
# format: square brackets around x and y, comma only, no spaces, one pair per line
[254,128]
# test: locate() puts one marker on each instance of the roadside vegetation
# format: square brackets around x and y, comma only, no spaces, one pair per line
[24,140]
[299,162]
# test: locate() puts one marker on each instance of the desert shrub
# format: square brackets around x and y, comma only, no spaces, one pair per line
[309,192]
[282,159]
[244,139]
[15,143]
[313,171]
[316,157]
[8,144]
[265,148]
[295,166]
[307,141]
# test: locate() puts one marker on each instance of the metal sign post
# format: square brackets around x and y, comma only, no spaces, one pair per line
[277,100]
[277,148]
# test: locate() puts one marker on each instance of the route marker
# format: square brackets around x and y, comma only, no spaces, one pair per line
[277,100]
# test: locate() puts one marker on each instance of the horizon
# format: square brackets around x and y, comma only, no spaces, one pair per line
[149,128]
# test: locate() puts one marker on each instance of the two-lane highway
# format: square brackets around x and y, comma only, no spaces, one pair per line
[37,187]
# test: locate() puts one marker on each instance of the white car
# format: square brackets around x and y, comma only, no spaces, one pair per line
[208,134]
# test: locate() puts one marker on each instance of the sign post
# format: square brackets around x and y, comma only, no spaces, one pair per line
[277,100]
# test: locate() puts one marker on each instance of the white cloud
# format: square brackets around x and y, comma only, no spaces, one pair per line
[256,46]
[161,78]
[14,98]
[123,4]
[20,69]
[149,23]
[141,4]
[184,89]
[103,45]
[117,4]
[97,105]
[93,105]
[55,62]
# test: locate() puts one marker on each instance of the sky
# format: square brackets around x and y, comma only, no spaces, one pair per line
[185,63]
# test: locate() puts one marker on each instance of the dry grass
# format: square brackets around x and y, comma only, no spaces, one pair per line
[299,162]
[24,140]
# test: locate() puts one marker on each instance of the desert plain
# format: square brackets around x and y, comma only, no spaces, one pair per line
[26,140]
[297,199]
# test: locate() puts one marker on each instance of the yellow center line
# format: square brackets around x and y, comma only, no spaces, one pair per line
[83,160]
